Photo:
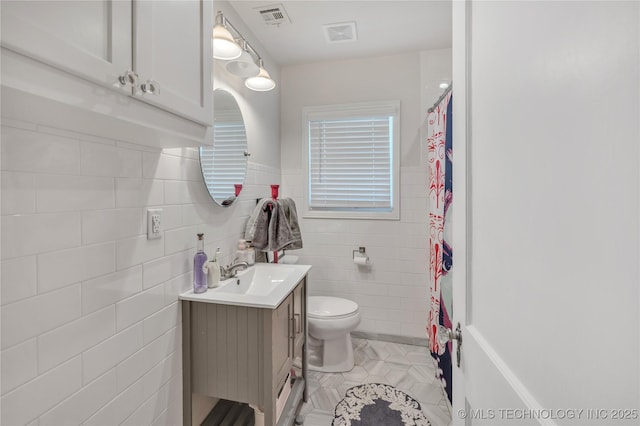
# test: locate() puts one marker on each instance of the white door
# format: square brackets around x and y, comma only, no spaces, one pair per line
[91,39]
[172,56]
[546,225]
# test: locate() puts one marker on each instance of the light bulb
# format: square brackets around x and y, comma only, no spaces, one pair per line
[261,82]
[224,46]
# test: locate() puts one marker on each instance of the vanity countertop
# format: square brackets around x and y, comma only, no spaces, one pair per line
[264,285]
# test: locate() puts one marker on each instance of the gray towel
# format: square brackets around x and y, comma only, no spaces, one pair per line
[277,232]
[257,228]
[292,240]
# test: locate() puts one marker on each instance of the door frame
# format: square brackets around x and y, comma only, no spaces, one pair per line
[461,229]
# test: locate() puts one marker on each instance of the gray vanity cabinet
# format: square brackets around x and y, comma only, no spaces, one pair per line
[244,354]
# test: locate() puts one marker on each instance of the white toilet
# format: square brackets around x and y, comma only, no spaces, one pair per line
[331,320]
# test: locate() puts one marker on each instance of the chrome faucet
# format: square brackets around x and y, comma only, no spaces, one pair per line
[231,270]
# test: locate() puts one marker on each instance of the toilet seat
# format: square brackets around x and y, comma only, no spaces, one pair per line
[326,307]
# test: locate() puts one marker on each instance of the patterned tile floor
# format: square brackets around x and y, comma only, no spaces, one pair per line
[407,367]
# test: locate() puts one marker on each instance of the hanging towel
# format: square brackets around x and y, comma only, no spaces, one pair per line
[280,233]
[293,240]
[273,225]
[257,228]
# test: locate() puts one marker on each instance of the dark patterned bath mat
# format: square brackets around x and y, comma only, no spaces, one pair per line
[376,404]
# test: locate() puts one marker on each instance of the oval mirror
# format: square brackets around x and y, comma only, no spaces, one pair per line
[224,163]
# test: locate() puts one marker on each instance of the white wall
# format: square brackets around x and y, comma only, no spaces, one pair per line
[89,307]
[393,293]
[555,197]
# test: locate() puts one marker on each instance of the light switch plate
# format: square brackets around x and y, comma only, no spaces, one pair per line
[154,224]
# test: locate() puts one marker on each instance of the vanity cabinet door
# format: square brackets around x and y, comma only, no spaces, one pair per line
[91,39]
[173,57]
[299,315]
[282,346]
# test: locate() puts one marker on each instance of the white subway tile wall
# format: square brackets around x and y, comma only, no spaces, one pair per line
[393,292]
[90,314]
[19,365]
[75,337]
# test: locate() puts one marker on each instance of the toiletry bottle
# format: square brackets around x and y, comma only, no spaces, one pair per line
[199,280]
[251,255]
[213,271]
[241,254]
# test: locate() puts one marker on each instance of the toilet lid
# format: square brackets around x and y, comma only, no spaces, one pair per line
[330,307]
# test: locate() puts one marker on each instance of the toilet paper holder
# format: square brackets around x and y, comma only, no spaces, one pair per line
[361,253]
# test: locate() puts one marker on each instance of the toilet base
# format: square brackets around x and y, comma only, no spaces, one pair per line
[331,356]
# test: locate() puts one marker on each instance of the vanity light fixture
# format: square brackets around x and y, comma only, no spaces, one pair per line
[261,82]
[244,65]
[224,45]
[244,61]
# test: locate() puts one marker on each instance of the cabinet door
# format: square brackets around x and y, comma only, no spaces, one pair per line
[91,39]
[172,49]
[282,341]
[299,315]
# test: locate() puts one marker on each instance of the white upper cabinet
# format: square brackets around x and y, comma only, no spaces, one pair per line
[157,53]
[89,38]
[171,41]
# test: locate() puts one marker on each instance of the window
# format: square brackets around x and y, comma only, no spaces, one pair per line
[352,160]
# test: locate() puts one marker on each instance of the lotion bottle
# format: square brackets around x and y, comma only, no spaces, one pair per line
[241,253]
[213,271]
[251,256]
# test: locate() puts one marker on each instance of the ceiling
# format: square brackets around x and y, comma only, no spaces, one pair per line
[383,27]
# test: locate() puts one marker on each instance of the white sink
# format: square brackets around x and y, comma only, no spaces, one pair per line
[264,285]
[259,280]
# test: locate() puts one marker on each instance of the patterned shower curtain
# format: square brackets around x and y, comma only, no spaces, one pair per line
[439,147]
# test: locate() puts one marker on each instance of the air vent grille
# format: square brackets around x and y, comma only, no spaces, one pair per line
[340,32]
[274,14]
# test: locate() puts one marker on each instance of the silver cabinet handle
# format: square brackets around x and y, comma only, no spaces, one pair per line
[128,78]
[297,323]
[292,324]
[150,86]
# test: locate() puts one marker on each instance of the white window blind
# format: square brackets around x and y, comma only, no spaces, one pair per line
[225,162]
[352,164]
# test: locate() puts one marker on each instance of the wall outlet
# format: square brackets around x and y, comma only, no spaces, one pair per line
[154,224]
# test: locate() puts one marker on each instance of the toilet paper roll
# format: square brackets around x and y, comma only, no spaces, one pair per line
[361,260]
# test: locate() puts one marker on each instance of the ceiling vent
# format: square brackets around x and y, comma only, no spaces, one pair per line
[274,14]
[340,32]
